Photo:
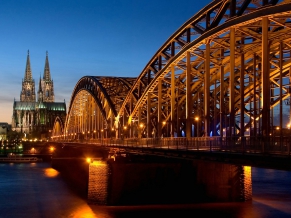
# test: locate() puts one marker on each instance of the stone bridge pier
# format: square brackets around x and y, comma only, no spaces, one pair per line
[146,180]
[131,179]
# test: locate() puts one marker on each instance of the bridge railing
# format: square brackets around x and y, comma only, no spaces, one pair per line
[266,145]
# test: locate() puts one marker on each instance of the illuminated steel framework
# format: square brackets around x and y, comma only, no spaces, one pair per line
[94,105]
[223,72]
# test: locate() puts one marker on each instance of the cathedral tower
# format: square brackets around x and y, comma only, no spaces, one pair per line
[36,119]
[28,87]
[47,83]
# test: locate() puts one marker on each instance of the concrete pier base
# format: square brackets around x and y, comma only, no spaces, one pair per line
[147,179]
[167,181]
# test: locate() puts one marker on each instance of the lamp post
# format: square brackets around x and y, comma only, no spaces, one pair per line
[112,132]
[102,136]
[197,126]
[124,131]
[164,124]
[140,129]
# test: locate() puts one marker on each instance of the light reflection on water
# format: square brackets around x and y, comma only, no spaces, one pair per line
[37,190]
[50,172]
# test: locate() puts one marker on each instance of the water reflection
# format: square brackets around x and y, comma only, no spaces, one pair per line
[83,211]
[50,172]
[36,190]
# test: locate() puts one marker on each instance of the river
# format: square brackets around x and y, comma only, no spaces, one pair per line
[36,190]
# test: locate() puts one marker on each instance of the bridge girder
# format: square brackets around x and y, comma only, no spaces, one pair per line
[247,46]
[94,105]
[217,67]
[58,128]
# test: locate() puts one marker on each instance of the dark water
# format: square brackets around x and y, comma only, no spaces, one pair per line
[37,190]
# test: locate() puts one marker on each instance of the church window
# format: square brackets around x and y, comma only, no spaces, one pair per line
[28,92]
[47,93]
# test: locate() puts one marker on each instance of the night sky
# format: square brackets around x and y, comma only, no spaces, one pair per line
[83,38]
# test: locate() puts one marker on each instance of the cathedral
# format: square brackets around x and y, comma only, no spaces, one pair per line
[34,115]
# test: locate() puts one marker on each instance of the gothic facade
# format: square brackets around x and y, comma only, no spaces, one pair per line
[33,114]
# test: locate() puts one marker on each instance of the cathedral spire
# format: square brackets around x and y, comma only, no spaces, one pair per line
[28,74]
[47,74]
[47,83]
[40,93]
[28,88]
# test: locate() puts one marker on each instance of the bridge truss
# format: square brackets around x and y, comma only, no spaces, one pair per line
[223,72]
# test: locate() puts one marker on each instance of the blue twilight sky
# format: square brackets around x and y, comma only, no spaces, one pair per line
[82,37]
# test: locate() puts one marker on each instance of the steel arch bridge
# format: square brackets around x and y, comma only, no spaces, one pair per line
[225,72]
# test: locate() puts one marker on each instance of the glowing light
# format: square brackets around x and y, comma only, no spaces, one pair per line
[164,122]
[52,148]
[98,163]
[196,118]
[50,172]
[88,159]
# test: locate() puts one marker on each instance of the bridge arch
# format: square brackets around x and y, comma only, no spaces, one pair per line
[223,72]
[229,71]
[93,107]
[58,129]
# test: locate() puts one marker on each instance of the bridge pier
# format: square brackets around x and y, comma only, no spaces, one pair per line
[148,181]
[134,179]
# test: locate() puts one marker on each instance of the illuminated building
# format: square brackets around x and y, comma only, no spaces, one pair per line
[36,117]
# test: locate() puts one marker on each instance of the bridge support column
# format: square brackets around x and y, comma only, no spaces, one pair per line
[207,91]
[149,116]
[160,122]
[242,91]
[188,97]
[265,74]
[255,94]
[231,83]
[222,92]
[140,125]
[172,99]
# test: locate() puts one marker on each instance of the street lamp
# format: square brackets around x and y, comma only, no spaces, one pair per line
[141,129]
[164,124]
[197,120]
